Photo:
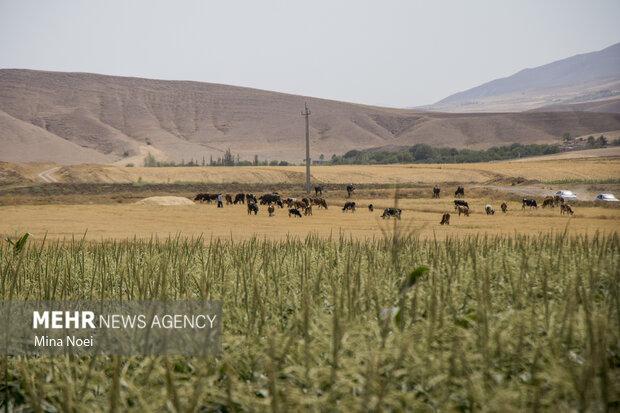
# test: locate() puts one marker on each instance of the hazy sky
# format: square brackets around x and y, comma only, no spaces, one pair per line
[394,53]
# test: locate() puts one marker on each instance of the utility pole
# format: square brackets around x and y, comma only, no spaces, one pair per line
[306,114]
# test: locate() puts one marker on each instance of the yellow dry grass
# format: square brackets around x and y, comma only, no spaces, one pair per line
[421,216]
[541,169]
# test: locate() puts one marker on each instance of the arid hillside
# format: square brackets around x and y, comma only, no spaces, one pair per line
[71,118]
[585,78]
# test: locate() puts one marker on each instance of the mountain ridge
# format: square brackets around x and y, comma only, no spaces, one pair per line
[90,118]
[580,78]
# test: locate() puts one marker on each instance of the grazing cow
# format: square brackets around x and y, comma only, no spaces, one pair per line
[279,203]
[489,210]
[350,190]
[436,191]
[460,202]
[460,191]
[294,212]
[252,207]
[548,202]
[308,210]
[371,207]
[529,202]
[445,219]
[239,199]
[504,207]
[289,201]
[320,202]
[566,209]
[229,199]
[206,198]
[266,199]
[348,206]
[251,198]
[318,190]
[463,210]
[558,200]
[391,212]
[271,210]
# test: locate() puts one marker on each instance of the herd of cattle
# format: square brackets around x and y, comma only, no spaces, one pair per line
[462,207]
[297,207]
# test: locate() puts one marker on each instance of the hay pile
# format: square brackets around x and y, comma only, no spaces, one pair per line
[165,200]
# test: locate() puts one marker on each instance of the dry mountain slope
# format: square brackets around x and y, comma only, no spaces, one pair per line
[79,117]
[588,77]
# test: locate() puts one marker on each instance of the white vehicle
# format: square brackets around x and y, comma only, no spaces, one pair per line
[606,198]
[568,195]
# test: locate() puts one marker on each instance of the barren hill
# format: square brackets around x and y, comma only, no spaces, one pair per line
[78,117]
[588,77]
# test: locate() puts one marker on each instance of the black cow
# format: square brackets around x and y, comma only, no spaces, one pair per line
[239,199]
[348,206]
[529,202]
[350,190]
[269,198]
[460,202]
[460,191]
[252,207]
[436,191]
[250,198]
[504,207]
[318,190]
[391,212]
[294,212]
[371,207]
[205,198]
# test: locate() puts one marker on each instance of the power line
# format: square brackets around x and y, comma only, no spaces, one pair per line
[306,114]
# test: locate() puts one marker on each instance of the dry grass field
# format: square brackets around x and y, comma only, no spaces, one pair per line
[115,214]
[420,216]
[584,165]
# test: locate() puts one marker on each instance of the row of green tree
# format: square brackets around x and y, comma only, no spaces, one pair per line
[228,159]
[422,153]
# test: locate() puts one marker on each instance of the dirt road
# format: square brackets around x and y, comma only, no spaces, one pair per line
[46,176]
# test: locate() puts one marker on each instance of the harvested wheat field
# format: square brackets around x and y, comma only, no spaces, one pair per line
[419,216]
[588,165]
[542,169]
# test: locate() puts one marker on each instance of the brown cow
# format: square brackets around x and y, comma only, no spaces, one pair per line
[548,202]
[566,209]
[445,219]
[463,210]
